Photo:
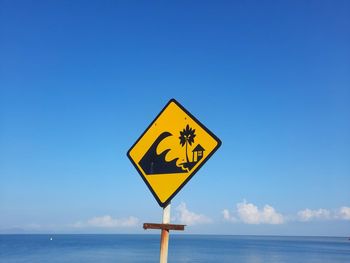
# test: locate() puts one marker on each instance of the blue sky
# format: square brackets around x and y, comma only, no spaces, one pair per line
[81,80]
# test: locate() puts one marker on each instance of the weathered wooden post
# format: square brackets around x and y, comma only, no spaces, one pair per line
[165,227]
[164,237]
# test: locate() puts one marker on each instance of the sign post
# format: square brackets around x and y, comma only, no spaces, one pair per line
[167,155]
[164,238]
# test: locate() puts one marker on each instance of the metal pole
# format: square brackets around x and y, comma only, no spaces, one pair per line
[164,239]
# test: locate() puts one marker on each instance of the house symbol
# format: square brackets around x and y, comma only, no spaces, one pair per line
[197,153]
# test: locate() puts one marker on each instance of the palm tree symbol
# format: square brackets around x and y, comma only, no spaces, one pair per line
[187,137]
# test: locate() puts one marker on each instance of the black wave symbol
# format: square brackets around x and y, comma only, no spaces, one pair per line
[152,163]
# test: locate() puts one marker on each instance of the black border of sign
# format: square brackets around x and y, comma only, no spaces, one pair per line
[194,172]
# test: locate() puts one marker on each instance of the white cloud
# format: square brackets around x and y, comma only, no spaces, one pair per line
[344,213]
[108,222]
[190,218]
[249,213]
[308,214]
[228,217]
[226,214]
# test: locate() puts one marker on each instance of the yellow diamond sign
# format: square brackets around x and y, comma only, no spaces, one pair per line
[171,150]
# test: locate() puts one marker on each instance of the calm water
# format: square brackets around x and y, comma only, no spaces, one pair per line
[183,248]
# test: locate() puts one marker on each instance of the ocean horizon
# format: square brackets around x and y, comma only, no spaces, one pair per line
[107,248]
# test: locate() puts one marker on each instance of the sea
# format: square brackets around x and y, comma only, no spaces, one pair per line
[182,248]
